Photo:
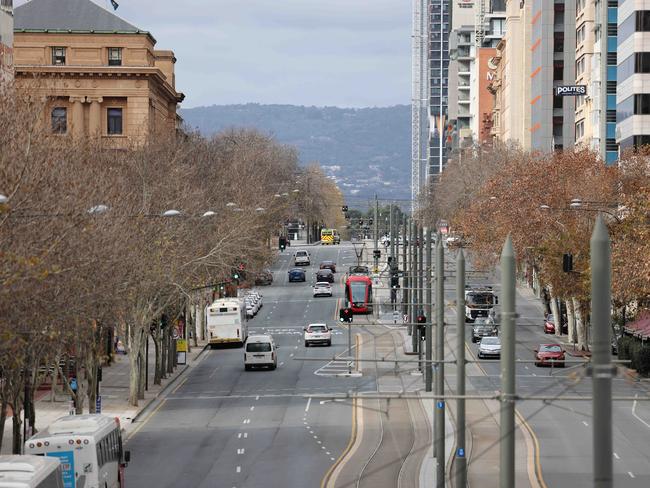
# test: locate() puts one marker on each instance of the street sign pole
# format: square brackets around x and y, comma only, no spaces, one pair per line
[461,460]
[439,413]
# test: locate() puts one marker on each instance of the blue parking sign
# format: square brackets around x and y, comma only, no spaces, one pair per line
[460,452]
[440,404]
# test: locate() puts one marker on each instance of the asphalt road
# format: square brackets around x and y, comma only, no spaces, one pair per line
[223,426]
[564,428]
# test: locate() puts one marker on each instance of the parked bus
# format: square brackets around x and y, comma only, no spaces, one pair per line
[226,322]
[358,292]
[89,448]
[30,471]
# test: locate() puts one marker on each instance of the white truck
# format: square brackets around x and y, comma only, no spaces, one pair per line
[479,302]
[226,322]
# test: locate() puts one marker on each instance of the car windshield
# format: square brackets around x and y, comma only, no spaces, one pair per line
[491,341]
[301,253]
[480,299]
[550,348]
[258,347]
[317,328]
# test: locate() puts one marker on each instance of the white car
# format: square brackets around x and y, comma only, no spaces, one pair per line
[318,334]
[250,311]
[250,302]
[301,258]
[322,288]
[260,351]
[489,347]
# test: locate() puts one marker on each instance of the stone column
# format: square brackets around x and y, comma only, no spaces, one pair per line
[95,117]
[77,116]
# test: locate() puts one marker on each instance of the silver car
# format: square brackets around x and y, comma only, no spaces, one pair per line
[322,288]
[489,347]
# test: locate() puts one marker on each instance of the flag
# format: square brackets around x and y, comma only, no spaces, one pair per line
[114,4]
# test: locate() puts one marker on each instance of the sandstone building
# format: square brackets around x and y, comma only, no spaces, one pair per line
[101,76]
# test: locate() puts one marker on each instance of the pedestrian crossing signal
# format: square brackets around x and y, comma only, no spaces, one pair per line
[345,315]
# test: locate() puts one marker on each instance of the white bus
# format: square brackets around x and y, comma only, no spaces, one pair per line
[226,322]
[89,448]
[30,472]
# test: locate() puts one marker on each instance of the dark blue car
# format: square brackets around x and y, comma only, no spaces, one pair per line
[297,274]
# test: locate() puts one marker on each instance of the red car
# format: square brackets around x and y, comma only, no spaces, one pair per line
[328,265]
[549,354]
[549,325]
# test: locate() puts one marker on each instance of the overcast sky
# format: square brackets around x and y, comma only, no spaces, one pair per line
[347,53]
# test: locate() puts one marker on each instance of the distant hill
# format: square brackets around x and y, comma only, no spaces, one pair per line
[366,150]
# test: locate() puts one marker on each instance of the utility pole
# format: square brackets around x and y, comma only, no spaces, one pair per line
[601,374]
[508,308]
[415,295]
[405,277]
[461,460]
[439,411]
[428,372]
[376,232]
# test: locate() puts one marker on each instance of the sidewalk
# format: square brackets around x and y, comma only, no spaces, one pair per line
[114,392]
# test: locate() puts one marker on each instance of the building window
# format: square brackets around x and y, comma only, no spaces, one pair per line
[580,130]
[58,55]
[580,5]
[580,66]
[558,102]
[580,34]
[115,56]
[59,120]
[114,119]
[498,27]
[558,42]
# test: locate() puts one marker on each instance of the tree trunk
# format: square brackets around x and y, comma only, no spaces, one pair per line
[135,341]
[557,317]
[163,354]
[143,370]
[580,325]
[157,378]
[3,419]
[571,319]
[17,444]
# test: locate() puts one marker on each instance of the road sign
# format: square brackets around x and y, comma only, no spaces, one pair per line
[460,452]
[440,404]
[98,404]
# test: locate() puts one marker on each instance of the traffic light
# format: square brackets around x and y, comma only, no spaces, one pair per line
[376,254]
[370,222]
[234,274]
[567,262]
[360,222]
[345,315]
[344,208]
[282,242]
[422,320]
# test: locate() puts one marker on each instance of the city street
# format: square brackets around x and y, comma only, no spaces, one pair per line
[562,429]
[223,425]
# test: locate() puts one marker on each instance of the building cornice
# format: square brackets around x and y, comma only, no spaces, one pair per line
[103,71]
[70,31]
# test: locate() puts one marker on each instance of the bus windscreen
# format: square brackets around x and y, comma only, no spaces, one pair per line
[358,290]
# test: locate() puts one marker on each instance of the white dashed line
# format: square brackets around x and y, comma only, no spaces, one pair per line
[238,469]
[631,474]
[308,403]
[585,423]
[257,397]
[246,421]
[245,435]
[617,456]
[252,408]
[241,451]
[282,363]
[239,436]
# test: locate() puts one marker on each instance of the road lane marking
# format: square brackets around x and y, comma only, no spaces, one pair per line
[353,438]
[635,414]
[631,474]
[252,408]
[246,421]
[214,372]
[257,397]
[179,385]
[308,403]
[585,423]
[616,456]
[282,363]
[239,436]
[238,469]
[137,429]
[245,435]
[241,451]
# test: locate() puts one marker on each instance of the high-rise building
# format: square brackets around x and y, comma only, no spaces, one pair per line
[553,44]
[438,30]
[595,61]
[633,72]
[6,39]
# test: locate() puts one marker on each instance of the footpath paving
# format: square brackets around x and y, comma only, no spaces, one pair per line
[114,391]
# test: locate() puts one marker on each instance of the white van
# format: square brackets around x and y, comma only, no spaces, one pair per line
[260,351]
[30,471]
